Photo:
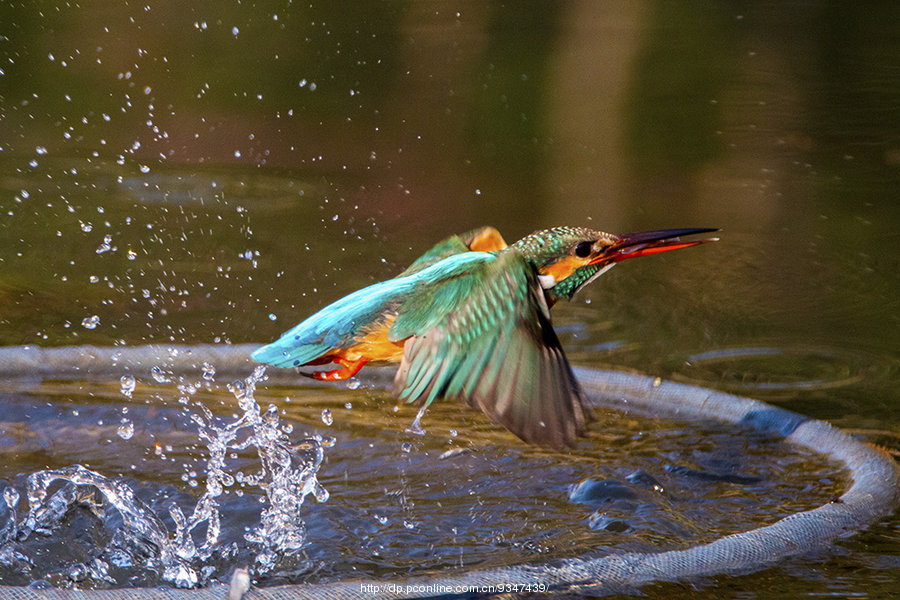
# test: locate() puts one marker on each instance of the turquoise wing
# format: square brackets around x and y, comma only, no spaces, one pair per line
[486,337]
[339,324]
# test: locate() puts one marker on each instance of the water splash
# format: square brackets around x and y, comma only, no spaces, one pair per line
[290,473]
[140,529]
[190,555]
[11,498]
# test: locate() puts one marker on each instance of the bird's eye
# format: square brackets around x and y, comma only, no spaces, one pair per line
[583,250]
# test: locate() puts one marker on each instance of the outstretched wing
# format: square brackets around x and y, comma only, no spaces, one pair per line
[482,239]
[486,336]
[341,323]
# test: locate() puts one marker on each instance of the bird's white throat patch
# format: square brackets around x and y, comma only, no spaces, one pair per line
[546,281]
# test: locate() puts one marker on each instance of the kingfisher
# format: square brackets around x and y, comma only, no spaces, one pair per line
[470,319]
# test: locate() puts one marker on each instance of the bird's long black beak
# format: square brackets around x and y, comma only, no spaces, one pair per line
[644,243]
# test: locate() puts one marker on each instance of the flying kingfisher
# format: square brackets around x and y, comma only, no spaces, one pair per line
[470,319]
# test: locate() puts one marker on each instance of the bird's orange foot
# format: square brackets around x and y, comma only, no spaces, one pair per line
[348,369]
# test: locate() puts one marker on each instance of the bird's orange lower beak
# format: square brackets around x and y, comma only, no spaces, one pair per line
[645,243]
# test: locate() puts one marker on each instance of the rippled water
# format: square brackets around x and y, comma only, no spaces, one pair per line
[193,492]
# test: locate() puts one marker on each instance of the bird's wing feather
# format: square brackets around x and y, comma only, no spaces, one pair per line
[339,324]
[485,336]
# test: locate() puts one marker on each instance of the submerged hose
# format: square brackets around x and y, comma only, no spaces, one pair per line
[873,494]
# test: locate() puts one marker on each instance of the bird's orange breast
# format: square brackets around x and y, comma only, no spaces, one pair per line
[372,345]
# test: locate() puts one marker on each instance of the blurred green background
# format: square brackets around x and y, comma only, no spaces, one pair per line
[216,171]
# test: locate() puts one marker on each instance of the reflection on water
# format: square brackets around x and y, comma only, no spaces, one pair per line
[210,481]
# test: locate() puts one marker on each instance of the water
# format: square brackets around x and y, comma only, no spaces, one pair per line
[215,483]
[88,529]
[388,128]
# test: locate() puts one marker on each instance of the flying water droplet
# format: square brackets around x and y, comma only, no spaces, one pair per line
[209,372]
[126,429]
[159,376]
[452,452]
[90,322]
[128,382]
[353,384]
[86,227]
[326,417]
[106,246]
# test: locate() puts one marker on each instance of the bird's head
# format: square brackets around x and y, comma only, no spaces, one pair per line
[569,258]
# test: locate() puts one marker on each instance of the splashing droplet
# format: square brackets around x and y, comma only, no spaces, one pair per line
[326,417]
[106,246]
[209,372]
[126,429]
[353,384]
[159,376]
[128,382]
[90,322]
